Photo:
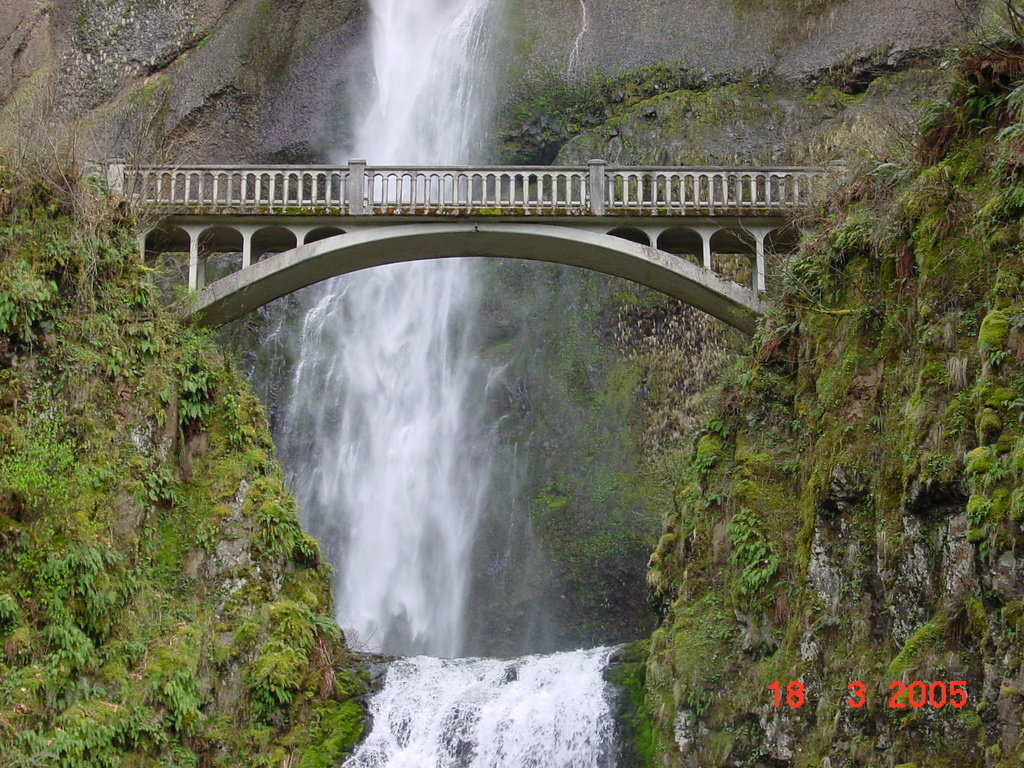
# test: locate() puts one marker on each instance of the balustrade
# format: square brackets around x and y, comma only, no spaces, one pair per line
[356,189]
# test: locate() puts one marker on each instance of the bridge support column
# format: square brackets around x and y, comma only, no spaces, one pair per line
[300,233]
[760,235]
[653,233]
[196,261]
[115,176]
[597,187]
[759,267]
[246,232]
[706,233]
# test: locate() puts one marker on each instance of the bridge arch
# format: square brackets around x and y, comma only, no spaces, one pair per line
[167,239]
[273,239]
[243,291]
[683,241]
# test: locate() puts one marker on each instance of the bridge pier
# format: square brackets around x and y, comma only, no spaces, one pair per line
[196,262]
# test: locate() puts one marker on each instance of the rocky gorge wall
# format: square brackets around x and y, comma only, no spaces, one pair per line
[159,602]
[254,79]
[851,510]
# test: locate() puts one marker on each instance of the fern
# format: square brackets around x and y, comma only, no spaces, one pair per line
[753,554]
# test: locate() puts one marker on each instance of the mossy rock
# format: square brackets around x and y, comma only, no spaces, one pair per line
[627,672]
[994,329]
[709,445]
[917,646]
[979,461]
[989,425]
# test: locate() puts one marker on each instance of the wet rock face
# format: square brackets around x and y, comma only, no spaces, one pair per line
[579,37]
[100,45]
[216,79]
[244,79]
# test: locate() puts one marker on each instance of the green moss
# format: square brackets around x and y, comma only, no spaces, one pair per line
[989,425]
[333,731]
[689,655]
[994,329]
[628,674]
[980,461]
[918,644]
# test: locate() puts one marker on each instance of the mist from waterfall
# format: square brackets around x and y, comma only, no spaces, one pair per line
[388,453]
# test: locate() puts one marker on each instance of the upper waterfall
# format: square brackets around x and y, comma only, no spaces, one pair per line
[432,96]
[389,457]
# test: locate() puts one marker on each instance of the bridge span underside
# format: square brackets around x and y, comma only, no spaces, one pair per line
[294,258]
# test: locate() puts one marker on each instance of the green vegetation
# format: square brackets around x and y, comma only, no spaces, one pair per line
[159,603]
[628,672]
[536,126]
[850,510]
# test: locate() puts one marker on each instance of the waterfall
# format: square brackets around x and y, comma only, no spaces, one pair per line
[388,461]
[389,454]
[535,712]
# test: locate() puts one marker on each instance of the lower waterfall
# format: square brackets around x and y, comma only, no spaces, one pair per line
[549,711]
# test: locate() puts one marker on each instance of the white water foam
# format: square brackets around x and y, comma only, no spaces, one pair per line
[534,712]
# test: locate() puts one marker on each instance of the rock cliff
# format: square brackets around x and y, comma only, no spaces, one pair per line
[851,510]
[251,79]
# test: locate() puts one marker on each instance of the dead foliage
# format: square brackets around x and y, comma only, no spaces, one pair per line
[985,77]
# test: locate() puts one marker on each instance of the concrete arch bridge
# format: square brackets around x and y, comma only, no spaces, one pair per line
[295,226]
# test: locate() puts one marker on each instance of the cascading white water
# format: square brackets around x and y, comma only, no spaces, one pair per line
[535,712]
[390,456]
[388,462]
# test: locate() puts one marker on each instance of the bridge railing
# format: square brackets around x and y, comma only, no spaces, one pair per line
[657,190]
[540,190]
[268,186]
[356,189]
